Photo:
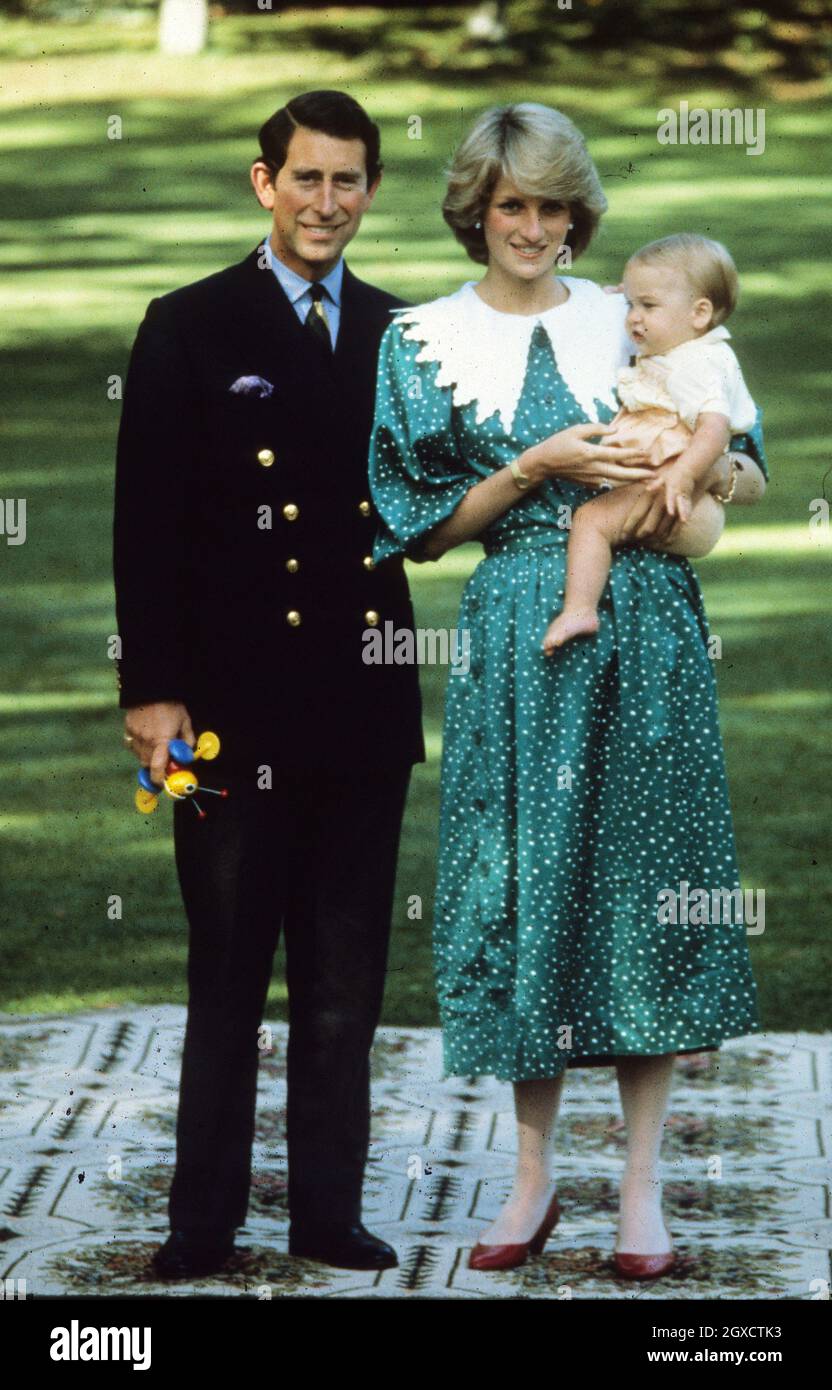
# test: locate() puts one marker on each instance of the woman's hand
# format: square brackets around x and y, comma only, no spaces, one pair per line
[570,455]
[750,481]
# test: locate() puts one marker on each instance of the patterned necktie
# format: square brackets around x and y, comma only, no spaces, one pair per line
[316,321]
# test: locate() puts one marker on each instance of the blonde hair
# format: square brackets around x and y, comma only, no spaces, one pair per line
[706,265]
[542,152]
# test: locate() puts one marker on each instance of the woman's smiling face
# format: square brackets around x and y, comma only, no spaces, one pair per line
[523,234]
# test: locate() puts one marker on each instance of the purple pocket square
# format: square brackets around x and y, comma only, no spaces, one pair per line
[251,386]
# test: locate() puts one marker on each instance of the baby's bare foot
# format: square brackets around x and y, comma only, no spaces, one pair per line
[582,623]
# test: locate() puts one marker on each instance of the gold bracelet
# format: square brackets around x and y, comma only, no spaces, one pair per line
[522,480]
[732,482]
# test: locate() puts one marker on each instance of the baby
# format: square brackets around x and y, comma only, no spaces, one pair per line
[681,402]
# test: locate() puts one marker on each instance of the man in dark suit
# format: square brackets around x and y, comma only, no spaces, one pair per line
[245,584]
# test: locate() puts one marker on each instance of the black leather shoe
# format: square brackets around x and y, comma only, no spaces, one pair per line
[345,1247]
[192,1253]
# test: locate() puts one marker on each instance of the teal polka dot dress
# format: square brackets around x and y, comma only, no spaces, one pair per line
[574,789]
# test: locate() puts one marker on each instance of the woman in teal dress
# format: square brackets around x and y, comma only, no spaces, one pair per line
[574,789]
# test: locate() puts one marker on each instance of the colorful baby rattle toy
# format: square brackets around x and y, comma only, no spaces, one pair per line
[178,783]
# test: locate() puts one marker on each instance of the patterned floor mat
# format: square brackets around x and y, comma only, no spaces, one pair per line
[87,1134]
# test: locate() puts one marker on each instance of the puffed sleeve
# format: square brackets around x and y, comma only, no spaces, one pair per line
[696,391]
[712,381]
[717,384]
[417,474]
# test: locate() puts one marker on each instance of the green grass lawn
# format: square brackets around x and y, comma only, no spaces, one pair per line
[94,227]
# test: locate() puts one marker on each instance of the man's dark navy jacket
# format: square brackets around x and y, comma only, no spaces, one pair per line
[259,628]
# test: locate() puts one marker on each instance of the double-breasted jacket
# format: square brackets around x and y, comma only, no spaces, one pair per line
[244,528]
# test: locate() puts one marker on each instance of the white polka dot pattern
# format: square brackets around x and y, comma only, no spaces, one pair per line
[574,788]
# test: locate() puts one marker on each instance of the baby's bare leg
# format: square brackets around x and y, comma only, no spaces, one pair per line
[596,529]
[697,536]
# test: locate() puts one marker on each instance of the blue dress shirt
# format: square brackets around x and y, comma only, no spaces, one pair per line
[297,290]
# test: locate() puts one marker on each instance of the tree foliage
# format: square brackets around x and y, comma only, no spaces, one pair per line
[789,40]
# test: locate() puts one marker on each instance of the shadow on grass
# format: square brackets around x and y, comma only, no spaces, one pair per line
[120,221]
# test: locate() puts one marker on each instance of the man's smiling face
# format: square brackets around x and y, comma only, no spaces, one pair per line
[317,200]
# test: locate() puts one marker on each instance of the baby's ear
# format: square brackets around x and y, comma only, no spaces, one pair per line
[703,312]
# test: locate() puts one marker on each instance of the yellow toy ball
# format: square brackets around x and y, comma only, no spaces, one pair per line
[181,784]
[207,746]
[145,801]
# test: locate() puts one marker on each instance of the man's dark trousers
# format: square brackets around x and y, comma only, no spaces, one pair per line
[316,854]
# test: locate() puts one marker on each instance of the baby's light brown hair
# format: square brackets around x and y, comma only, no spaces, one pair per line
[706,265]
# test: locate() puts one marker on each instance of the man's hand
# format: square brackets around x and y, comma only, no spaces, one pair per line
[151,727]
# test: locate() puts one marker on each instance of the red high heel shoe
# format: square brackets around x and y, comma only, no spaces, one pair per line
[509,1256]
[629,1266]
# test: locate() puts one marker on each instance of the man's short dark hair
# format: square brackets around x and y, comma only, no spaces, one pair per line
[331,113]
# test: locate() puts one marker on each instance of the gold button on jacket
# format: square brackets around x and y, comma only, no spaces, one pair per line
[293,618]
[293,566]
[266,457]
[368,562]
[364,508]
[291,512]
[371,618]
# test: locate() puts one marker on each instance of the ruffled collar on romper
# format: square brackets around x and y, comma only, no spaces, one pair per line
[483,353]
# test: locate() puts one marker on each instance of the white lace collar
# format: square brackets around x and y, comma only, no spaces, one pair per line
[482,353]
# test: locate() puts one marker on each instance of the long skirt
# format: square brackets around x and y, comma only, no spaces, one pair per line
[585,826]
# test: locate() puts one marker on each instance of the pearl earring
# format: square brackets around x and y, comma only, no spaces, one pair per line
[571,225]
[477,225]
